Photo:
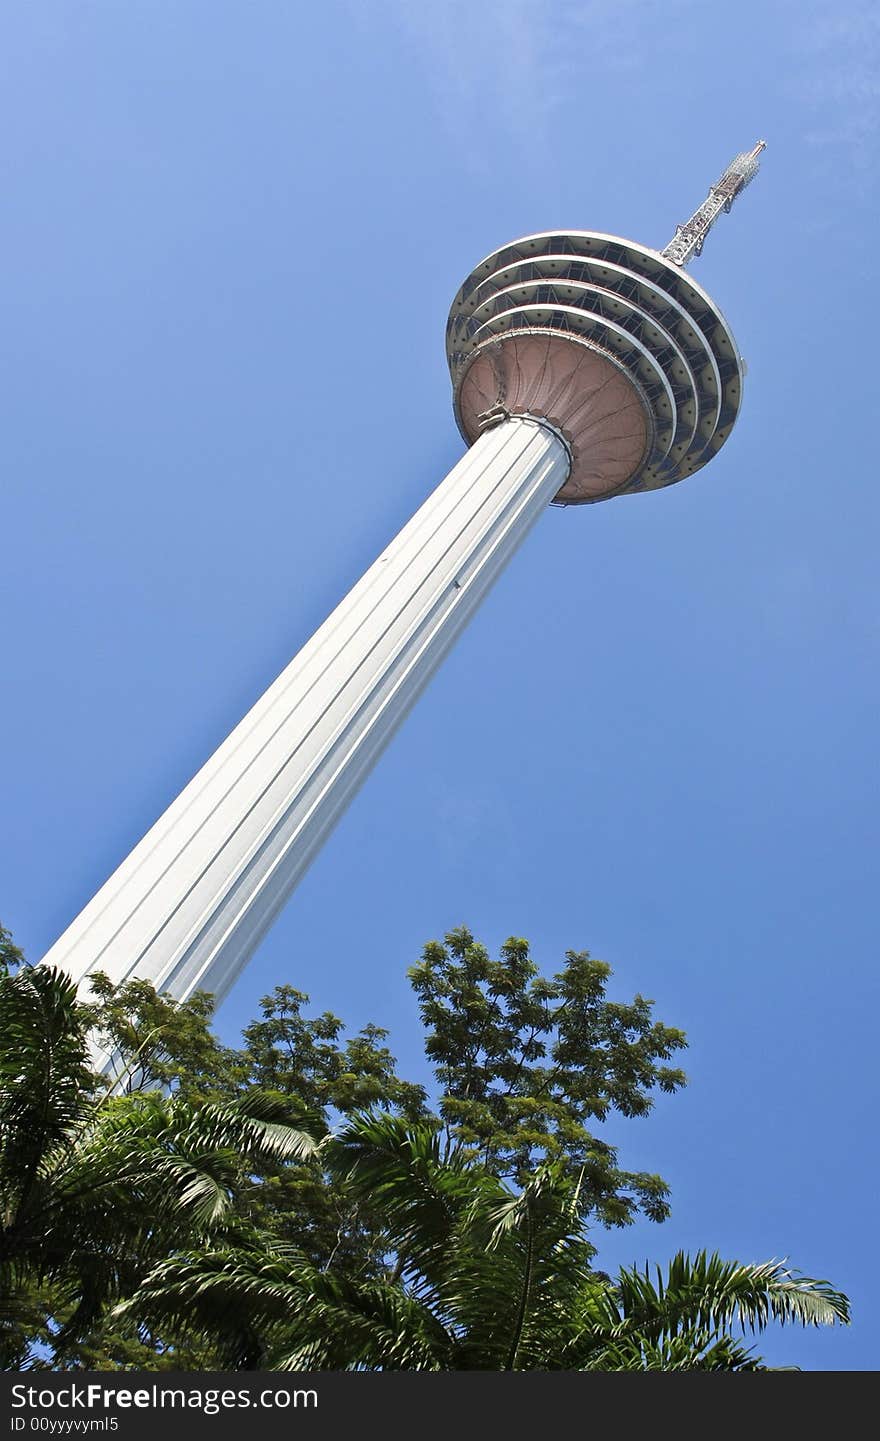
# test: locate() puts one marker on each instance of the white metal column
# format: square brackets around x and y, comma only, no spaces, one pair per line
[187,907]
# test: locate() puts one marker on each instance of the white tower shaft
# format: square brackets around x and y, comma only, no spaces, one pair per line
[187,907]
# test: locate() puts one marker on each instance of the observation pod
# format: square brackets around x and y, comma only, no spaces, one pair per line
[609,342]
[583,367]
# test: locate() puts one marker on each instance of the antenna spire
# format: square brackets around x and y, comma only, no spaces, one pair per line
[689,238]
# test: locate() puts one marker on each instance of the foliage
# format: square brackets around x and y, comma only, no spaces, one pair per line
[156,1042]
[305,1061]
[93,1191]
[10,956]
[284,1051]
[206,1218]
[526,1066]
[525,1063]
[488,1278]
[288,1054]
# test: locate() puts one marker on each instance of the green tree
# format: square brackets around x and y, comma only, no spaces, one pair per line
[10,956]
[309,1058]
[288,1054]
[226,1236]
[526,1064]
[93,1190]
[487,1278]
[296,1059]
[526,1067]
[157,1043]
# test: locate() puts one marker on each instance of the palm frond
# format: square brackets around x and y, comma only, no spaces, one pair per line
[44,1078]
[705,1290]
[306,1317]
[424,1192]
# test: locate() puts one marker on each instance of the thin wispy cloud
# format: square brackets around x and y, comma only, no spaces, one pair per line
[837,75]
[500,69]
[501,72]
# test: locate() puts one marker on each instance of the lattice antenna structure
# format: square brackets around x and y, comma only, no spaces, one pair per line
[690,238]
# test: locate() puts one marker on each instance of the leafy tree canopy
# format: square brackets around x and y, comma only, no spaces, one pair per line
[295,1202]
[488,1278]
[525,1064]
[95,1190]
[10,956]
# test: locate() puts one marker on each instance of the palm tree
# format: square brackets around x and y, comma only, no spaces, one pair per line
[482,1278]
[94,1191]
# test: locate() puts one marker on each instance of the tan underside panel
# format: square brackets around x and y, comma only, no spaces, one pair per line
[599,411]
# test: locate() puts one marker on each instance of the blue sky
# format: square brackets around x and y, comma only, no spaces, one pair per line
[233,232]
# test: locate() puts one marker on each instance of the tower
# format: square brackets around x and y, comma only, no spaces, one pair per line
[583,367]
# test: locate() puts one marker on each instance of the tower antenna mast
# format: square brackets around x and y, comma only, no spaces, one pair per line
[690,238]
